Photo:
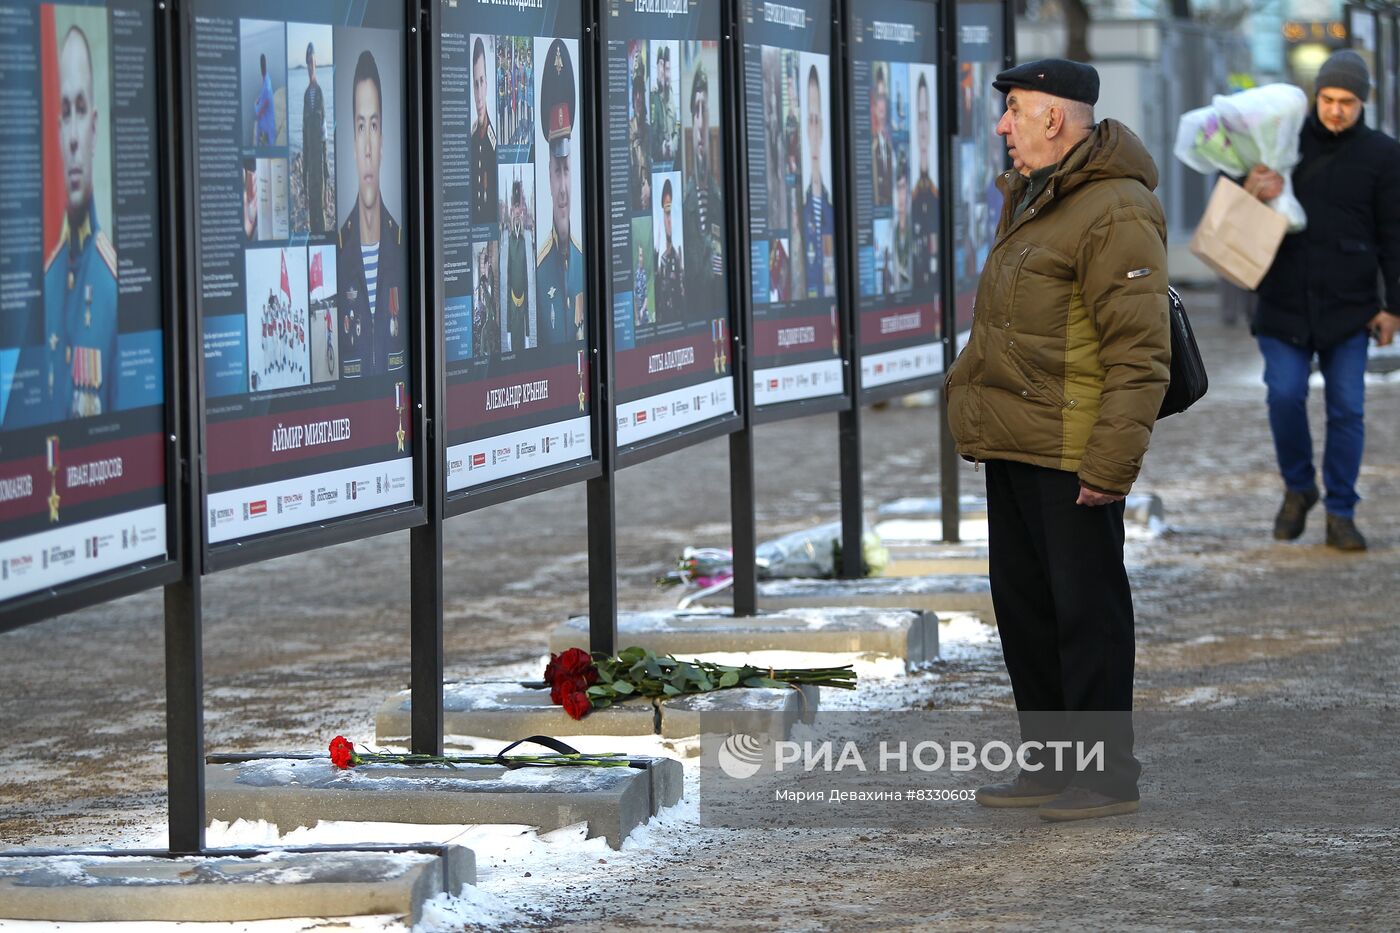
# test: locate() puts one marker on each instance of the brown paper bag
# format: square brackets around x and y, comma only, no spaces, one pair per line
[1238,235]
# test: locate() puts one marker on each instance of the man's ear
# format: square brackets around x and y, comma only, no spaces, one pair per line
[1054,120]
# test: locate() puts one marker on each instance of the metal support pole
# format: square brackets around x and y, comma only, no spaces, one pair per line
[425,543]
[184,709]
[947,450]
[743,521]
[600,491]
[849,426]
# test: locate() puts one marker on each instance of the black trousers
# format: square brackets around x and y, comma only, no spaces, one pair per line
[1065,615]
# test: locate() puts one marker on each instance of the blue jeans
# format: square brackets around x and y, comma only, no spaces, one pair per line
[1286,370]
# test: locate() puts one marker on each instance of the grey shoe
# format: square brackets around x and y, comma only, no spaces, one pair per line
[1080,803]
[1343,535]
[1293,514]
[1025,791]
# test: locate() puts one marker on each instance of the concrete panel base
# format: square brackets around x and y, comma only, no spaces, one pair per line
[507,711]
[753,711]
[291,792]
[942,593]
[816,627]
[278,884]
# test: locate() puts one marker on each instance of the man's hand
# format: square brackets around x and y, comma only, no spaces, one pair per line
[1383,327]
[1265,184]
[1092,497]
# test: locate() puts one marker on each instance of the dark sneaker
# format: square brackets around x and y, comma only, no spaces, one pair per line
[1293,514]
[1080,803]
[1343,535]
[1023,792]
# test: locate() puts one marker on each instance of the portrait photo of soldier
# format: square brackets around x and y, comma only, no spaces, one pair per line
[881,149]
[703,227]
[310,50]
[638,128]
[519,328]
[818,216]
[774,138]
[903,232]
[486,311]
[643,280]
[559,264]
[515,95]
[483,155]
[370,257]
[263,81]
[665,106]
[670,260]
[80,271]
[924,209]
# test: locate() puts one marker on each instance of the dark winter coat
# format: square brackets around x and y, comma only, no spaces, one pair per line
[1322,287]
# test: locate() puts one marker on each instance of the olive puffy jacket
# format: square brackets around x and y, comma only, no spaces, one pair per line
[1070,350]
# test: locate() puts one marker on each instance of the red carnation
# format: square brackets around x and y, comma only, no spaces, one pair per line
[564,686]
[577,704]
[343,753]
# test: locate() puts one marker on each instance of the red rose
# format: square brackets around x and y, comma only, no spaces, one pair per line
[577,704]
[572,663]
[564,686]
[343,753]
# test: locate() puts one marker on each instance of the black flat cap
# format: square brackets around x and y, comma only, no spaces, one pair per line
[1058,77]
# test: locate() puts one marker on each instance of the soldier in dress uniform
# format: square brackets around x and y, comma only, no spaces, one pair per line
[639,137]
[486,330]
[925,208]
[903,235]
[663,114]
[80,277]
[559,272]
[370,260]
[483,143]
[818,218]
[881,163]
[669,290]
[704,211]
[517,274]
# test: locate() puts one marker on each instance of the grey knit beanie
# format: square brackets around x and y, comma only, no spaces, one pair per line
[1346,70]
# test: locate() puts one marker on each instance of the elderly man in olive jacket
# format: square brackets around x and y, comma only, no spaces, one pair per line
[1057,392]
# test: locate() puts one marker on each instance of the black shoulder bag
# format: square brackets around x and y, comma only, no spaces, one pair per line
[1188,371]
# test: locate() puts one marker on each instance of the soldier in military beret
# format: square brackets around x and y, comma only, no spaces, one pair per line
[559,273]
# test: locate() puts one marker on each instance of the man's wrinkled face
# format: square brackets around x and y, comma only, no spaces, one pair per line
[479,88]
[1338,109]
[1024,125]
[369,143]
[559,188]
[77,121]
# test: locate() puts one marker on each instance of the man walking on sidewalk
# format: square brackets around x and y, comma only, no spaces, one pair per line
[1320,297]
[1057,391]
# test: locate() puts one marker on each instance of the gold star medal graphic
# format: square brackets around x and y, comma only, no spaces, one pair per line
[53,477]
[398,407]
[582,396]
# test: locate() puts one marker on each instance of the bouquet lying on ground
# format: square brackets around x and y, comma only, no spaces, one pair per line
[812,552]
[343,755]
[580,682]
[1236,132]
